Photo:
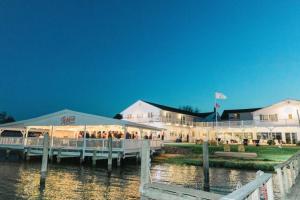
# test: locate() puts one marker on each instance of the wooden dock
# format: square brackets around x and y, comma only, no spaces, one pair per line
[60,148]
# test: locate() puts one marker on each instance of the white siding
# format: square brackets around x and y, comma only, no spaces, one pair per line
[282,109]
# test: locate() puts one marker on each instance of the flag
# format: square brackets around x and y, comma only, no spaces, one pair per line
[217,106]
[220,95]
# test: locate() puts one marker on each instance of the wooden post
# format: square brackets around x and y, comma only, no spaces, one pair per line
[58,157]
[7,153]
[28,154]
[94,159]
[109,159]
[25,138]
[137,157]
[285,180]
[293,174]
[280,182]
[270,189]
[44,159]
[205,166]
[84,146]
[145,164]
[119,160]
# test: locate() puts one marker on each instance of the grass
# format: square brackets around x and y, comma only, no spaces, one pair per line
[191,154]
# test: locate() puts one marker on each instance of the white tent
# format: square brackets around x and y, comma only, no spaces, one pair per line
[69,120]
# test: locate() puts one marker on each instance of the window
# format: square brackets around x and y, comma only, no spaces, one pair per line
[263,136]
[150,114]
[290,116]
[235,116]
[273,117]
[168,115]
[129,116]
[264,117]
[276,136]
[182,119]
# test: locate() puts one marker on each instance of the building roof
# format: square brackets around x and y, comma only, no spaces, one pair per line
[177,110]
[73,118]
[225,114]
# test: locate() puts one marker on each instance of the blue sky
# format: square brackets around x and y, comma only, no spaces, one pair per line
[100,56]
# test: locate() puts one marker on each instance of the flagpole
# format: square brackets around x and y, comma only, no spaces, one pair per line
[216,107]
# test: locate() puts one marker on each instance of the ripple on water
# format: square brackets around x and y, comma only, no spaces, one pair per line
[19,180]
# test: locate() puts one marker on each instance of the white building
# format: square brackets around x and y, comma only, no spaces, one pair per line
[177,122]
[279,121]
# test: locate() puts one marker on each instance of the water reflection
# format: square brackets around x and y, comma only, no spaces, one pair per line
[19,180]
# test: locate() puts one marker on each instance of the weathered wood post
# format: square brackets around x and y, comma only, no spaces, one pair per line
[270,191]
[280,182]
[58,157]
[7,153]
[119,160]
[205,166]
[145,164]
[94,159]
[109,159]
[44,159]
[28,154]
[285,179]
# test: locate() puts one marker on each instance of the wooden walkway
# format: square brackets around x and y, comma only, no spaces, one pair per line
[97,149]
[294,193]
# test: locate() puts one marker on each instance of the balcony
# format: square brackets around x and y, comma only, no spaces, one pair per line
[250,123]
[158,118]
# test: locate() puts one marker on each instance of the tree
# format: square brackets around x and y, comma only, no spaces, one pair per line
[118,116]
[5,118]
[190,109]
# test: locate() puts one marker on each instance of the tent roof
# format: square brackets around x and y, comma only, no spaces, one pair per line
[72,118]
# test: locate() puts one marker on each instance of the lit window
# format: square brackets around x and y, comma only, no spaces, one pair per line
[290,116]
[264,117]
[273,117]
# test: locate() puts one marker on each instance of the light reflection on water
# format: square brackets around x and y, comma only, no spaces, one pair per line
[20,180]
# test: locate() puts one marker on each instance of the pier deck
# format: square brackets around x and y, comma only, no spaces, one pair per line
[65,147]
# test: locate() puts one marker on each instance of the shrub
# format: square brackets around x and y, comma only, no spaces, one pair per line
[271,142]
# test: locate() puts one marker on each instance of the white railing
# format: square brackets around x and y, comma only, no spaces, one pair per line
[90,143]
[11,140]
[249,123]
[259,189]
[67,143]
[158,118]
[34,141]
[287,172]
[156,143]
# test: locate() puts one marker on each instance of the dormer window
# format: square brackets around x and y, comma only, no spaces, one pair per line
[150,115]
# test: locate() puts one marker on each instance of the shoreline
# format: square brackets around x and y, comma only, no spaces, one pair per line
[191,154]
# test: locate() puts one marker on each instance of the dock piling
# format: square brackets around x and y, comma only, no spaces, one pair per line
[44,159]
[119,160]
[205,166]
[145,164]
[94,159]
[7,153]
[28,154]
[58,157]
[109,160]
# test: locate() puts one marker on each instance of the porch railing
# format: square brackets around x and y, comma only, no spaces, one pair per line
[260,188]
[249,123]
[287,172]
[91,143]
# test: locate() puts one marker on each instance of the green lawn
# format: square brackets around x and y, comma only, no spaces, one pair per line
[191,154]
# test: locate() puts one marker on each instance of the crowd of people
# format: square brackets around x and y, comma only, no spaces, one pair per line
[117,135]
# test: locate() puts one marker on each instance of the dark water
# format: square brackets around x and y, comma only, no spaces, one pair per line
[20,180]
